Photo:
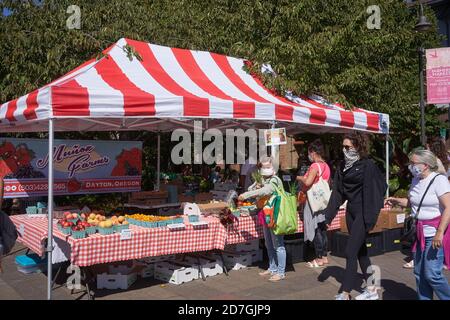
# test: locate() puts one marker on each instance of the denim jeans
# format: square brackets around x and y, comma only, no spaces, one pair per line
[428,271]
[275,251]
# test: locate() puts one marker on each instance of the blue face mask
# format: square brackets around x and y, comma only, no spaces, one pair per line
[415,170]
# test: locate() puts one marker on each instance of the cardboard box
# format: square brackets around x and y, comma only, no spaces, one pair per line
[184,198]
[378,226]
[214,206]
[391,219]
[203,197]
[145,195]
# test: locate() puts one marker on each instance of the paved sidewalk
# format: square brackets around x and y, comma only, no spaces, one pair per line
[300,283]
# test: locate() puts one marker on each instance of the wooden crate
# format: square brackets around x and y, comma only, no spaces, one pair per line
[145,195]
[203,197]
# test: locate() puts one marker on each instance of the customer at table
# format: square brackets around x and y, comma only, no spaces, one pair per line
[313,223]
[274,243]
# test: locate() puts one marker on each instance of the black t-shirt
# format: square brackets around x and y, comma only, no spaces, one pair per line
[352,182]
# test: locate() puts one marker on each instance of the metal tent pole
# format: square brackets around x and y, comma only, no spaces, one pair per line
[387,164]
[158,163]
[50,208]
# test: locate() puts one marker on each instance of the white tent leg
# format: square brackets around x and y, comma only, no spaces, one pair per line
[50,208]
[387,164]
[158,163]
[274,153]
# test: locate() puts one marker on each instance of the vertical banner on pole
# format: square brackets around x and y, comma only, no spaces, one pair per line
[438,75]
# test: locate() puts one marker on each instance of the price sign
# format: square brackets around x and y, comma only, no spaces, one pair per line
[21,229]
[125,234]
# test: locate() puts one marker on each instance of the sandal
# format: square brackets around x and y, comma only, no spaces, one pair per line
[313,264]
[409,265]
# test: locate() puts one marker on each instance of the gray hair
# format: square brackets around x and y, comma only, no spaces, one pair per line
[266,159]
[427,157]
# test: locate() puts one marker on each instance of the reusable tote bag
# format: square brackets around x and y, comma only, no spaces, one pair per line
[286,222]
[319,194]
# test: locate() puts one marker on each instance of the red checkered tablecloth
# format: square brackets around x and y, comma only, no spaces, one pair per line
[32,232]
[248,228]
[145,242]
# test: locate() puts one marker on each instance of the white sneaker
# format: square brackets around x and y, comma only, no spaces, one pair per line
[368,295]
[342,296]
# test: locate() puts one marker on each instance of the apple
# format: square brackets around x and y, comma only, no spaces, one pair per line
[98,217]
[83,216]
[101,224]
[67,214]
[121,219]
[74,216]
[92,216]
[94,223]
[108,224]
[125,222]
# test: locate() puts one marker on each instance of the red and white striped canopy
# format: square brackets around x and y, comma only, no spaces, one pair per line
[168,88]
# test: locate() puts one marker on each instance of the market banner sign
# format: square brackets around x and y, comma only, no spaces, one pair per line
[438,75]
[80,166]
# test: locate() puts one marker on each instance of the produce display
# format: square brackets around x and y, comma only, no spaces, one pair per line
[75,225]
[80,226]
[151,221]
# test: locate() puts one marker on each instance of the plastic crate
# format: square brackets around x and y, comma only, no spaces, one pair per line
[210,266]
[149,260]
[105,231]
[238,260]
[374,243]
[391,239]
[295,251]
[91,230]
[194,218]
[79,234]
[31,263]
[66,231]
[252,245]
[148,271]
[175,272]
[115,281]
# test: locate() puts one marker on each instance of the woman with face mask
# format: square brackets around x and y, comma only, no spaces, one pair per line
[359,182]
[274,243]
[313,223]
[432,247]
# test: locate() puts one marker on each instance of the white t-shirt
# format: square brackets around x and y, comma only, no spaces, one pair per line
[430,206]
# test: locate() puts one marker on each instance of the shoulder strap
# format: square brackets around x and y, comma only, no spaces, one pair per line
[425,193]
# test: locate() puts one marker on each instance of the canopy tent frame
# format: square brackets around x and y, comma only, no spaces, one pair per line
[170,88]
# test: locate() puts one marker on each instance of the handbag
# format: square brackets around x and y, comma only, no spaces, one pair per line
[286,222]
[319,194]
[409,235]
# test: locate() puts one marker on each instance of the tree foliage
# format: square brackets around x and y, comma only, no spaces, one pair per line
[315,46]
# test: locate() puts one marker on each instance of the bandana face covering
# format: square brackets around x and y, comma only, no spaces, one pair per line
[351,156]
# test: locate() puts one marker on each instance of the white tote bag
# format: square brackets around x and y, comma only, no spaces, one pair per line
[319,194]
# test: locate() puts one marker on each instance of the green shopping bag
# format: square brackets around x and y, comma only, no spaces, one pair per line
[286,222]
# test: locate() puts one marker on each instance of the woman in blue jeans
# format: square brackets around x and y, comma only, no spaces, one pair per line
[274,243]
[432,247]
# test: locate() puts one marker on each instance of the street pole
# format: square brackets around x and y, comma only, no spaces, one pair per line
[423,138]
